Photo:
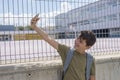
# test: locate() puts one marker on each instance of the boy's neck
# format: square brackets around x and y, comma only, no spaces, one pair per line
[81,52]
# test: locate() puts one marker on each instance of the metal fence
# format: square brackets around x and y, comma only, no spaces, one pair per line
[62,20]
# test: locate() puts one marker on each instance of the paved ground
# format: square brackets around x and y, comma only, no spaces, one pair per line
[38,48]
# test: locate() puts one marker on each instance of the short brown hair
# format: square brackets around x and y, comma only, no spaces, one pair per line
[89,36]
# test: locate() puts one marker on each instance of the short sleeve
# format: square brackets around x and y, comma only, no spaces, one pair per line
[62,50]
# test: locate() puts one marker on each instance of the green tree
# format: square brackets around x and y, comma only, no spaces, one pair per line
[29,27]
[21,28]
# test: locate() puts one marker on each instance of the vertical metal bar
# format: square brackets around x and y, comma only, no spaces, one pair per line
[15,55]
[19,55]
[27,42]
[23,17]
[9,32]
[4,33]
[49,26]
[54,30]
[32,11]
[0,56]
[37,39]
[29,8]
[41,41]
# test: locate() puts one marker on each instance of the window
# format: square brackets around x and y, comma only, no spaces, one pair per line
[101,6]
[92,9]
[81,23]
[94,20]
[85,22]
[118,2]
[101,19]
[112,3]
[1,38]
[112,17]
[97,8]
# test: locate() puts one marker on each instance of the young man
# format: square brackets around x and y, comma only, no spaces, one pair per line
[76,69]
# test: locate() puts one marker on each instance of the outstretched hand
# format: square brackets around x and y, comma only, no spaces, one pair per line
[42,33]
[34,20]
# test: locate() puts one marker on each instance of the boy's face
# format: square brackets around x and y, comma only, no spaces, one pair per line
[80,44]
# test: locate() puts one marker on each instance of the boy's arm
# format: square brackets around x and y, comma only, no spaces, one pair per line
[43,34]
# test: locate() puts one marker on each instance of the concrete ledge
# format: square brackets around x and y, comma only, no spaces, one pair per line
[107,58]
[17,68]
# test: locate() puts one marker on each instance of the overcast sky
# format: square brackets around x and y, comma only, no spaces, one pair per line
[19,12]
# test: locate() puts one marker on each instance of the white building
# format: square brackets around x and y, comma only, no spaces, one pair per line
[102,17]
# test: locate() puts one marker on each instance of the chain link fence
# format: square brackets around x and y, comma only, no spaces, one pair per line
[62,20]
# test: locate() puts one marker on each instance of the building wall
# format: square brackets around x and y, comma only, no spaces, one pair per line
[26,36]
[18,35]
[100,15]
[6,37]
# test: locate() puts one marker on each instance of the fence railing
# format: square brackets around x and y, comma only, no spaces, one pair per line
[62,20]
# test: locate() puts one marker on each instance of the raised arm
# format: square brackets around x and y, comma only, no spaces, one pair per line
[43,34]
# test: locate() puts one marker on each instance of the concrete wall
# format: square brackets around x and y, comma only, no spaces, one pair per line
[107,68]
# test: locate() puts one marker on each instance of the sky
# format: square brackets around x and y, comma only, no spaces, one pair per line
[20,12]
